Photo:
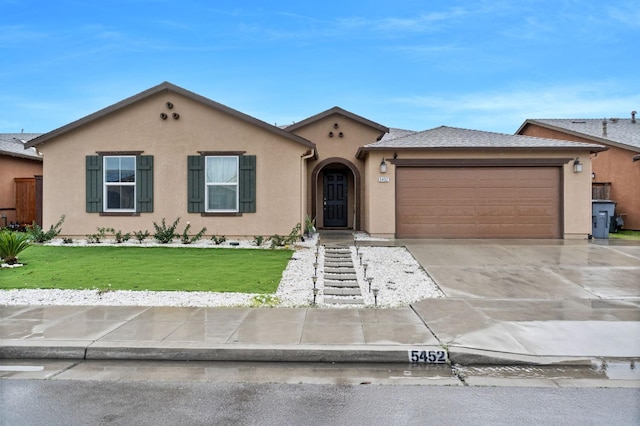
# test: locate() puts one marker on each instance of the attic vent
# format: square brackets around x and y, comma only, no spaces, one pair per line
[578,122]
[614,120]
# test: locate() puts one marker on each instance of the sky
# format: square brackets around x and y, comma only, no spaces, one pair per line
[414,64]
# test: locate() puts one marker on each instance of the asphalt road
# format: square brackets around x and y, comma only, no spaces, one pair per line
[72,402]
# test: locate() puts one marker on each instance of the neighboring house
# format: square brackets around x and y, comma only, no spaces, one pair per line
[168,153]
[615,172]
[20,180]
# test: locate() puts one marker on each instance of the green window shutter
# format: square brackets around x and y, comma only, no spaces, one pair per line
[94,183]
[248,184]
[144,183]
[195,184]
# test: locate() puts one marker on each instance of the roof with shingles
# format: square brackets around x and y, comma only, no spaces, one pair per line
[618,131]
[13,144]
[444,137]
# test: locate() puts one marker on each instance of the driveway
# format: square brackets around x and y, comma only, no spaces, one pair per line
[531,269]
[539,297]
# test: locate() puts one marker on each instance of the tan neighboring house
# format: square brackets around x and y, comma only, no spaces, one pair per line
[168,153]
[20,180]
[616,171]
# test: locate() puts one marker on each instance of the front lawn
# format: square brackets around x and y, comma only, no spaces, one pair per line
[626,235]
[148,268]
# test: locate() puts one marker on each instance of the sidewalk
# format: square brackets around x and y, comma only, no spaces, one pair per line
[508,302]
[472,331]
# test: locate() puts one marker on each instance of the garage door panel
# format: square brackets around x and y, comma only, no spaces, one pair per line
[478,202]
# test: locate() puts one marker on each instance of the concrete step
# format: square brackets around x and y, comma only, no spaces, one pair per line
[329,264]
[338,253]
[342,270]
[341,284]
[336,300]
[351,291]
[340,277]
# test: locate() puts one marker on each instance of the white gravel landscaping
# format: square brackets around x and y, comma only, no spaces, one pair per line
[396,274]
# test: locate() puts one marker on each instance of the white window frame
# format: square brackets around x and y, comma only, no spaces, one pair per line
[207,184]
[106,184]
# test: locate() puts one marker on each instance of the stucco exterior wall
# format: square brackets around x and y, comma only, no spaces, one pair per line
[615,166]
[380,197]
[138,127]
[343,150]
[11,168]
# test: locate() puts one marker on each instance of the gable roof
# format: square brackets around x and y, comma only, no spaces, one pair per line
[168,87]
[444,137]
[14,144]
[338,111]
[622,133]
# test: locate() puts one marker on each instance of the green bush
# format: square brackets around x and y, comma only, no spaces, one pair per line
[165,234]
[12,244]
[141,235]
[39,236]
[217,240]
[186,239]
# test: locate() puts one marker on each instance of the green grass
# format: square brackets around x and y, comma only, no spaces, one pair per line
[151,268]
[626,235]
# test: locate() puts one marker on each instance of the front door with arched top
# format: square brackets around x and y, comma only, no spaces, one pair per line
[335,199]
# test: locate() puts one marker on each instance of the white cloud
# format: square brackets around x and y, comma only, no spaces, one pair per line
[504,111]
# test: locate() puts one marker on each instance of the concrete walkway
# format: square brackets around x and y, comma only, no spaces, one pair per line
[509,302]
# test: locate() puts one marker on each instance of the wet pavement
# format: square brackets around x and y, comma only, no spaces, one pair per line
[612,374]
[508,303]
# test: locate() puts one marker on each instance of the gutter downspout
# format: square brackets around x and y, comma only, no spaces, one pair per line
[303,184]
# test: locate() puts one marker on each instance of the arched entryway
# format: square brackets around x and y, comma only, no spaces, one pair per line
[335,194]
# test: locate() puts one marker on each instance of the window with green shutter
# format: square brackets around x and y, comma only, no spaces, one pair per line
[221,184]
[119,183]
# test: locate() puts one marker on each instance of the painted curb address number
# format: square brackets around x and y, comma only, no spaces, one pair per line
[429,357]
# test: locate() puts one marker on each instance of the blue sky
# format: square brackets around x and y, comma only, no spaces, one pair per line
[485,65]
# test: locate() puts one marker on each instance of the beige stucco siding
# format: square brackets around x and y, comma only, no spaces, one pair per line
[199,128]
[380,197]
[336,149]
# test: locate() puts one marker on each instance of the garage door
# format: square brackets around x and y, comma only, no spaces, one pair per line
[478,202]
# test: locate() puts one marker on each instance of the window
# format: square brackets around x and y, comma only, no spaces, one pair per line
[120,183]
[222,184]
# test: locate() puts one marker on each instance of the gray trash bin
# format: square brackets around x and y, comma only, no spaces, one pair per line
[601,213]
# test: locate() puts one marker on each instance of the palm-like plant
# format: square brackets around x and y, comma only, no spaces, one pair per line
[12,244]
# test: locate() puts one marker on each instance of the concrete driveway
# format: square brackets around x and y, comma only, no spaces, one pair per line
[531,269]
[541,297]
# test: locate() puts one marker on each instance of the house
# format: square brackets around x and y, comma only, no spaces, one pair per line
[20,180]
[168,153]
[616,171]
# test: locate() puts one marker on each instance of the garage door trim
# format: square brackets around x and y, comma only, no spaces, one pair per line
[481,162]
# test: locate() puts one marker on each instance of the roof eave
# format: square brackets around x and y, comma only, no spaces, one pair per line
[361,153]
[22,156]
[339,111]
[595,139]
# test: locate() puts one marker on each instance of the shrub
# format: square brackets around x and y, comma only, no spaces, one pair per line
[186,239]
[309,225]
[258,240]
[39,236]
[67,240]
[141,235]
[121,238]
[165,234]
[281,241]
[12,244]
[218,240]
[98,237]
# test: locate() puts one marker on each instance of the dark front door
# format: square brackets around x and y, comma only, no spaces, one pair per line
[335,199]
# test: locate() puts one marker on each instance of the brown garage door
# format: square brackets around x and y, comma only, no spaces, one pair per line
[478,202]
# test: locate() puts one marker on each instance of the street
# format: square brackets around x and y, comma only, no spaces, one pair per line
[67,392]
[67,402]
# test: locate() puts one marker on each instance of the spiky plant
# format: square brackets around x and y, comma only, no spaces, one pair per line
[12,244]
